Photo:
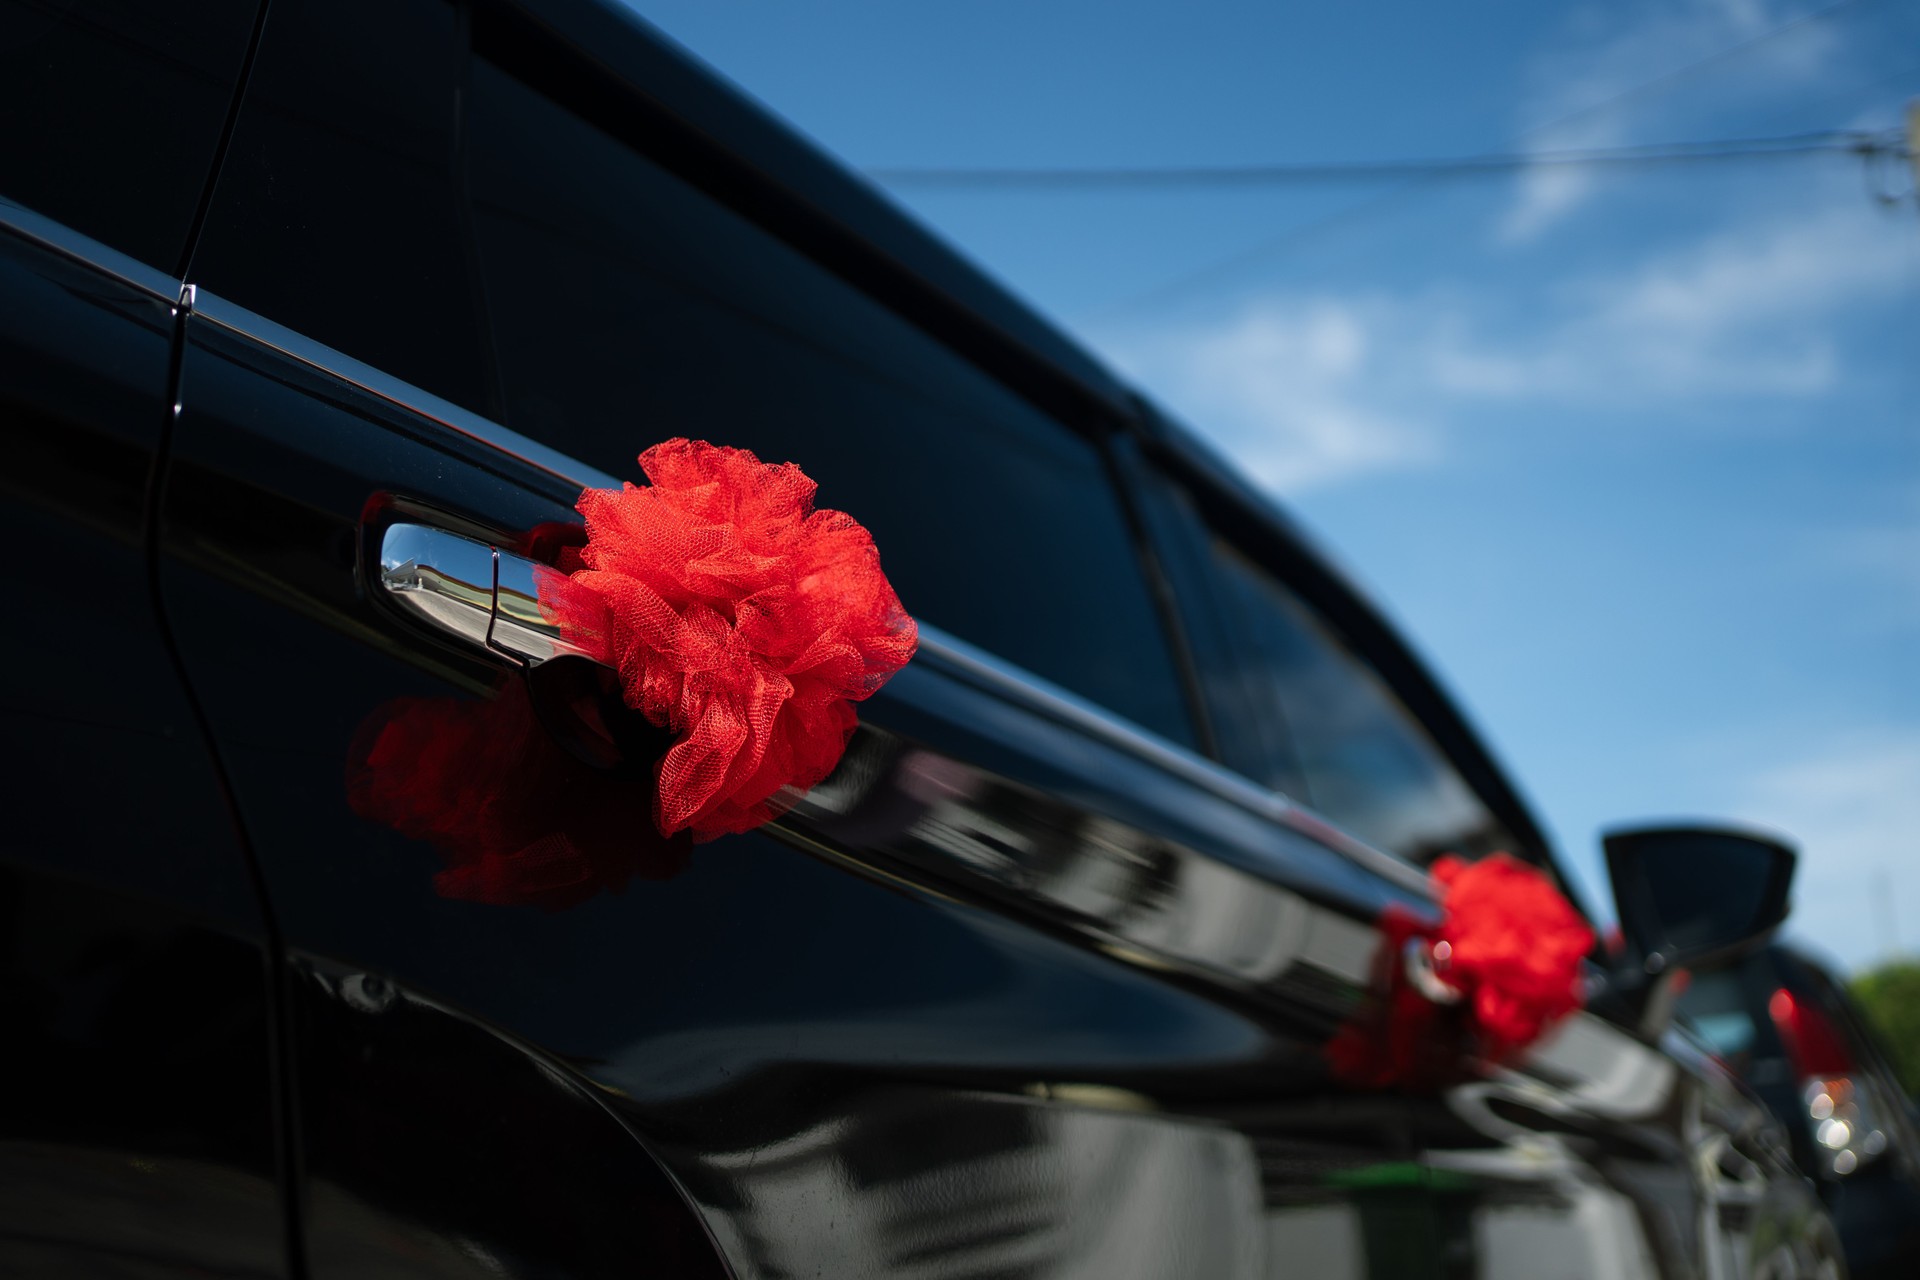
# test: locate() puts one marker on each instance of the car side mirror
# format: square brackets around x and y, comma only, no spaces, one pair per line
[1696,896]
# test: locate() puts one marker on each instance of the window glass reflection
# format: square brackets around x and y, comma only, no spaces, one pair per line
[338,213]
[1359,756]
[113,112]
[1706,891]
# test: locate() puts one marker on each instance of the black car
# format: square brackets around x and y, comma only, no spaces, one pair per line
[1793,1034]
[318,315]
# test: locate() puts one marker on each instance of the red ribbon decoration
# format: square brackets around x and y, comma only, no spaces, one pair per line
[1500,968]
[516,819]
[740,618]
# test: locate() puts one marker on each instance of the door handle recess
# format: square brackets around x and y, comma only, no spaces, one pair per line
[477,593]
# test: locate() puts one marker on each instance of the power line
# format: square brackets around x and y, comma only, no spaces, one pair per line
[1342,171]
[1380,201]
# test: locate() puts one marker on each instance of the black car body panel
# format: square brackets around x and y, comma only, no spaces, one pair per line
[134,957]
[759,999]
[1039,983]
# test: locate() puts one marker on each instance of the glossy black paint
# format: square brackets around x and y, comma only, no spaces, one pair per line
[136,1103]
[114,114]
[754,1003]
[1004,976]
[136,1123]
[436,1146]
[1023,989]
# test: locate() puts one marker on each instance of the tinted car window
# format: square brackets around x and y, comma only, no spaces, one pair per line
[337,212]
[1725,1014]
[1361,757]
[1702,889]
[113,112]
[628,307]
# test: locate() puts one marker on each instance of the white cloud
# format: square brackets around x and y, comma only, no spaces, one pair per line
[1614,51]
[1854,808]
[1741,312]
[1760,275]
[1286,387]
[1309,390]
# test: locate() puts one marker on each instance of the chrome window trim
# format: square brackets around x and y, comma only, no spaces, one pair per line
[39,229]
[960,660]
[296,346]
[953,656]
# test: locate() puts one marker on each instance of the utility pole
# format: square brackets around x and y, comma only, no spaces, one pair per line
[1913,146]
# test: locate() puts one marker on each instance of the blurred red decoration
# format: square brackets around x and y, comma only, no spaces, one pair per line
[1500,967]
[740,618]
[517,819]
[1516,948]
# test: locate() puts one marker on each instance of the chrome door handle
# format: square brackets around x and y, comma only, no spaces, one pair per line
[477,593]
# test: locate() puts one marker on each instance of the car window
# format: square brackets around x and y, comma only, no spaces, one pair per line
[629,307]
[1721,1010]
[338,213]
[1351,749]
[113,113]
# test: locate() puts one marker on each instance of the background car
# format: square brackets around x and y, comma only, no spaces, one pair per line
[1792,1033]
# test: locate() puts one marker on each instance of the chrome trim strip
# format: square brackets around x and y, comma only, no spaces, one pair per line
[62,239]
[954,657]
[238,320]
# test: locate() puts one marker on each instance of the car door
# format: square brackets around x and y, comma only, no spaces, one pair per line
[1030,986]
[428,1141]
[1606,1150]
[138,1130]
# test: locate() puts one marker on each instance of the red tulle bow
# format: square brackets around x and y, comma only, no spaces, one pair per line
[1500,968]
[740,618]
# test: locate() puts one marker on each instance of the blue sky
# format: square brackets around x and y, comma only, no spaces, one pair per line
[1633,457]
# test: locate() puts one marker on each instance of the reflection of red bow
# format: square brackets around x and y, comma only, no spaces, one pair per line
[517,819]
[1499,969]
[740,618]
